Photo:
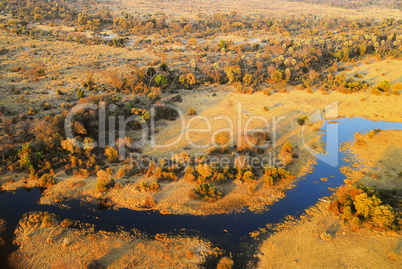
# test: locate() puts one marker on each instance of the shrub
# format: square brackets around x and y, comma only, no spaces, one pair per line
[189,174]
[46,106]
[222,138]
[286,153]
[233,73]
[375,91]
[192,112]
[248,79]
[46,181]
[154,186]
[143,186]
[31,111]
[25,158]
[80,93]
[250,141]
[104,181]
[360,204]
[302,120]
[225,263]
[204,171]
[121,172]
[208,192]
[249,176]
[274,176]
[161,80]
[112,154]
[164,67]
[276,76]
[384,86]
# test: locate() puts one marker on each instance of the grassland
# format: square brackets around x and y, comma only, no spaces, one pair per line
[322,239]
[45,242]
[246,61]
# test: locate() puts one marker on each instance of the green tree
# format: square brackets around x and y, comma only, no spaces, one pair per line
[276,76]
[161,80]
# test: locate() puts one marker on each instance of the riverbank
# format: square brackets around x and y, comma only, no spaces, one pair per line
[45,242]
[319,239]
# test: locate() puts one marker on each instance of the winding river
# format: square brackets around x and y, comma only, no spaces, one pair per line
[305,194]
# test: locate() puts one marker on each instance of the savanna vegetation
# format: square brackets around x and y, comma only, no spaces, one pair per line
[150,66]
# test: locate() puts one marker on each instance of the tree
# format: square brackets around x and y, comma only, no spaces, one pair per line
[192,112]
[225,263]
[222,138]
[248,176]
[46,181]
[111,153]
[80,93]
[189,174]
[384,86]
[205,171]
[104,181]
[248,79]
[233,73]
[383,216]
[161,80]
[286,153]
[365,205]
[276,76]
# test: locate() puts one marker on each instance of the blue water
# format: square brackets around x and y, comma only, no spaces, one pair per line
[305,194]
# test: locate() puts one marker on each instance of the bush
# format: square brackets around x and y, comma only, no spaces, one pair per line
[161,80]
[112,154]
[274,176]
[192,112]
[302,120]
[189,174]
[375,91]
[204,171]
[208,193]
[286,153]
[104,181]
[249,176]
[80,93]
[360,204]
[384,86]
[31,111]
[46,181]
[276,76]
[154,186]
[225,263]
[222,138]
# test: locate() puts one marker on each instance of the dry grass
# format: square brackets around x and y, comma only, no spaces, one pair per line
[181,8]
[319,241]
[376,71]
[55,246]
[301,245]
[380,158]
